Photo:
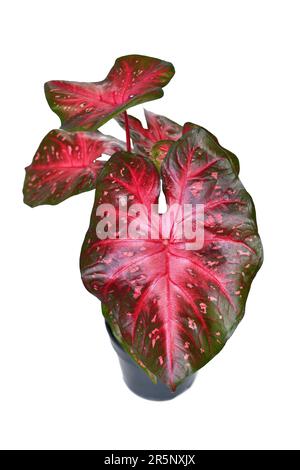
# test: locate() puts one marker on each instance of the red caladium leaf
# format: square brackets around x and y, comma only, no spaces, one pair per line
[175,307]
[65,164]
[133,79]
[159,128]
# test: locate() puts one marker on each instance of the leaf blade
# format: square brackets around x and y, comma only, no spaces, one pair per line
[65,164]
[133,80]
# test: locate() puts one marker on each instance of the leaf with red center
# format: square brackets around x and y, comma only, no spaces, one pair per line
[66,164]
[133,80]
[159,128]
[175,307]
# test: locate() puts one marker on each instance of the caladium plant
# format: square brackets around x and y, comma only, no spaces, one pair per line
[171,303]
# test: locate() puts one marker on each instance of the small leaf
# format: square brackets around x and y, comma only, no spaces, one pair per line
[133,79]
[66,164]
[231,156]
[159,128]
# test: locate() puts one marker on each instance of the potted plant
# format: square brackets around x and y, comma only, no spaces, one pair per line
[173,285]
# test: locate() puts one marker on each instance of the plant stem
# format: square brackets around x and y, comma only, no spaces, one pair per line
[127,132]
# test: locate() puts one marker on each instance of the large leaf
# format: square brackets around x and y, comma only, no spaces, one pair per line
[66,164]
[175,307]
[159,133]
[133,79]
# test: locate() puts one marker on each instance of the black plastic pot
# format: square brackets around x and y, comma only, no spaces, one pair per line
[139,383]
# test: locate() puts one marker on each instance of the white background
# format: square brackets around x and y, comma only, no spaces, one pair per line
[237,74]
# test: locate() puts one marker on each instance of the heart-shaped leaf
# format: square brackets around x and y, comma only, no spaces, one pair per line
[133,79]
[66,164]
[159,128]
[175,307]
